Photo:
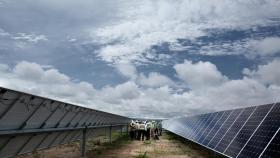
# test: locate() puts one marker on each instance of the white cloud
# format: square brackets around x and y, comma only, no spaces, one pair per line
[268,73]
[33,78]
[127,70]
[147,23]
[154,79]
[33,38]
[126,91]
[266,46]
[200,74]
[29,71]
[132,99]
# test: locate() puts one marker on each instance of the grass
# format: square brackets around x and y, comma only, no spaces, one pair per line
[99,147]
[142,155]
[191,146]
[147,142]
[36,154]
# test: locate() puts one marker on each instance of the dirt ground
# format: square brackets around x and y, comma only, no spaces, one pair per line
[166,147]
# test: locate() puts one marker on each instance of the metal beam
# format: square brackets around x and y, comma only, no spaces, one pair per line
[83,143]
[45,130]
[110,134]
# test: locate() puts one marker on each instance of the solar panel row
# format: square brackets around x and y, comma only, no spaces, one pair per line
[29,122]
[245,132]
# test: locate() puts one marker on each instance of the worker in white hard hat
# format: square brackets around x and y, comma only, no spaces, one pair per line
[132,127]
[148,132]
[142,131]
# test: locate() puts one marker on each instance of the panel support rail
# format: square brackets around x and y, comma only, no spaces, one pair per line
[46,130]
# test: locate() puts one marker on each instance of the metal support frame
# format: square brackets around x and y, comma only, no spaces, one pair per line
[46,130]
[127,129]
[10,106]
[22,147]
[49,116]
[83,143]
[30,116]
[110,133]
[63,116]
[72,128]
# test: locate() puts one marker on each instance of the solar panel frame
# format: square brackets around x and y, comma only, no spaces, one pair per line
[233,130]
[222,133]
[212,129]
[273,146]
[238,123]
[33,122]
[216,127]
[247,130]
[262,135]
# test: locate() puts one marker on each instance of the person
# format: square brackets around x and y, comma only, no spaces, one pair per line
[156,129]
[160,128]
[136,130]
[156,136]
[153,129]
[132,127]
[148,132]
[142,131]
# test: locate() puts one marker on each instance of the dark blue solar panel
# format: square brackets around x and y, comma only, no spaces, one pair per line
[219,135]
[216,128]
[187,126]
[273,149]
[263,135]
[221,147]
[247,130]
[193,125]
[204,126]
[200,121]
[210,126]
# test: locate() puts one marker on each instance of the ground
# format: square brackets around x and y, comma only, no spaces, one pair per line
[169,146]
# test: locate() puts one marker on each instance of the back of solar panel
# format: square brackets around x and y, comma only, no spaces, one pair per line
[21,111]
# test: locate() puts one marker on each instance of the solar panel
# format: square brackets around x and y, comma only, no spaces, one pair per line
[273,147]
[234,129]
[263,134]
[201,122]
[209,127]
[204,126]
[224,128]
[29,122]
[245,132]
[216,127]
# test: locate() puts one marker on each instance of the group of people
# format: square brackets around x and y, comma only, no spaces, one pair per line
[145,130]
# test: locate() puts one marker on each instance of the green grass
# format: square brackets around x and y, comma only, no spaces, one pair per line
[192,146]
[142,155]
[147,142]
[118,141]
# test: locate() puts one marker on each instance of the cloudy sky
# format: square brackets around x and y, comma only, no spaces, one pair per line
[148,58]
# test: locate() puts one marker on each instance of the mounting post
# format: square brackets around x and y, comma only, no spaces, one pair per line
[127,129]
[83,143]
[121,130]
[110,134]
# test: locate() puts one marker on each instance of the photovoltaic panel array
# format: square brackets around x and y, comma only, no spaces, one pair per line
[243,133]
[29,122]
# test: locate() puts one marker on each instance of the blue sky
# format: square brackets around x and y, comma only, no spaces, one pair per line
[145,58]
